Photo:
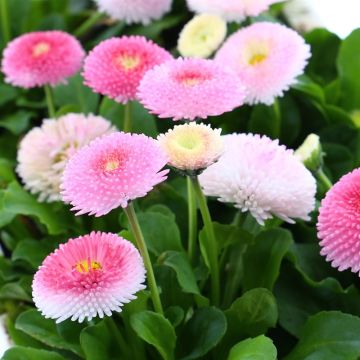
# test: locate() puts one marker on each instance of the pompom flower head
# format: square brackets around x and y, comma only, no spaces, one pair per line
[339,223]
[116,66]
[92,275]
[111,171]
[135,11]
[44,151]
[190,89]
[201,36]
[267,57]
[258,175]
[192,146]
[41,58]
[231,10]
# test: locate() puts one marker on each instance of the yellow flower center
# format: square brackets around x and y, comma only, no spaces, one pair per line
[191,81]
[128,62]
[257,59]
[40,49]
[85,266]
[189,141]
[111,165]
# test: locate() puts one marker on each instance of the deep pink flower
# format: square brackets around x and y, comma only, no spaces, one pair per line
[267,57]
[92,275]
[41,58]
[111,171]
[190,89]
[116,66]
[339,223]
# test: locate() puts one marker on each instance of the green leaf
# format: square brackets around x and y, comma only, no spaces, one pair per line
[299,297]
[179,262]
[101,341]
[27,353]
[155,330]
[34,324]
[310,89]
[323,68]
[14,291]
[161,232]
[329,335]
[18,201]
[202,333]
[259,348]
[338,159]
[263,259]
[349,71]
[253,313]
[17,122]
[33,252]
[75,93]
[7,93]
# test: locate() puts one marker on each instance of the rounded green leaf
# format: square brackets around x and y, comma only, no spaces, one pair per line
[268,250]
[27,353]
[34,324]
[329,335]
[259,348]
[155,330]
[202,333]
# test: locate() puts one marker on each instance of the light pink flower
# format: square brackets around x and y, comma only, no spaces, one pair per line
[231,10]
[135,11]
[45,150]
[267,57]
[111,171]
[41,58]
[190,89]
[116,66]
[92,275]
[339,223]
[258,175]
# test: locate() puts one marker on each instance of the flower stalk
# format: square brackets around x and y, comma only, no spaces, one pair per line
[139,237]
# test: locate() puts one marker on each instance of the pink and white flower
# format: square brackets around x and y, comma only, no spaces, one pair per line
[92,275]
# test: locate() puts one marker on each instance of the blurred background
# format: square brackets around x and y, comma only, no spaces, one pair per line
[340,17]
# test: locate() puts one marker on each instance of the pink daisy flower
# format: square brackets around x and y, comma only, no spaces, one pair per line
[135,11]
[116,66]
[111,171]
[190,89]
[92,275]
[267,57]
[258,175]
[41,58]
[231,10]
[339,223]
[45,150]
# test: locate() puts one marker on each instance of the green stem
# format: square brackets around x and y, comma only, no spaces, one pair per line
[88,24]
[192,220]
[5,21]
[210,234]
[277,112]
[50,102]
[136,230]
[127,117]
[323,179]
